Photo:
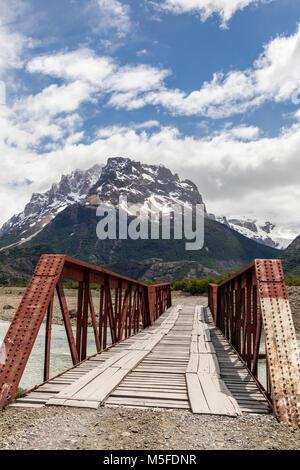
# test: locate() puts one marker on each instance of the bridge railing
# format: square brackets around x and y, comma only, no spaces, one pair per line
[124,307]
[252,310]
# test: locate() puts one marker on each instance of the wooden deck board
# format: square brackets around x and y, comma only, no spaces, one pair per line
[180,362]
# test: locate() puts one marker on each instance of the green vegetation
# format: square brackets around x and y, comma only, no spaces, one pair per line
[19,392]
[200,286]
[74,285]
[196,286]
[291,259]
[291,280]
[17,284]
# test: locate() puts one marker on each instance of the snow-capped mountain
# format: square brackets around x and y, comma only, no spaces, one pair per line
[153,187]
[64,220]
[262,232]
[44,207]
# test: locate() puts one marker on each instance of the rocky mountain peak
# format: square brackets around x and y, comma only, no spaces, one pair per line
[43,207]
[139,182]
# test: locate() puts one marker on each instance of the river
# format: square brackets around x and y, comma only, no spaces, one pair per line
[60,353]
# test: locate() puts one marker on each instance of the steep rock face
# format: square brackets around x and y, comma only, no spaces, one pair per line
[42,208]
[140,182]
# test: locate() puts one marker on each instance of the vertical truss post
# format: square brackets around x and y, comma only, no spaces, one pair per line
[48,341]
[109,310]
[85,313]
[94,322]
[101,316]
[124,313]
[79,318]
[67,322]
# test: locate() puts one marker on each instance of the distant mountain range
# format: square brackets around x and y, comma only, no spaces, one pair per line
[63,220]
[263,232]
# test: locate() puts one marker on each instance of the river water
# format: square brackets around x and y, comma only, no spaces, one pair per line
[60,355]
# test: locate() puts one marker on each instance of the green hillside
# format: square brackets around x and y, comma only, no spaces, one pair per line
[291,258]
[73,232]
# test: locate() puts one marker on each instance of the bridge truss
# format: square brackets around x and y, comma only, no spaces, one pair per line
[253,305]
[125,306]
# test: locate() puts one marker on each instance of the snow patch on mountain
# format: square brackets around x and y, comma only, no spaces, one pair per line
[154,187]
[42,208]
[266,233]
[139,182]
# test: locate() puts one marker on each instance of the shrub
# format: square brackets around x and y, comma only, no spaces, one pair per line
[290,280]
[194,286]
[19,392]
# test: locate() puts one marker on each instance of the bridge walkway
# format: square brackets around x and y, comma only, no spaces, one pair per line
[181,361]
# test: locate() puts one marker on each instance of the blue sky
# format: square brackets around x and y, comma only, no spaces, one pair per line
[207,87]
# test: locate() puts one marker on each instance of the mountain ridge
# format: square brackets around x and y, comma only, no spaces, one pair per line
[43,207]
[72,230]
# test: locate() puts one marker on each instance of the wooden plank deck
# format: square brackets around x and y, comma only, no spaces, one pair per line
[207,392]
[159,380]
[182,361]
[234,374]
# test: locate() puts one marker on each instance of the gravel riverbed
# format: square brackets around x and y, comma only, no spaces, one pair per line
[12,296]
[133,429]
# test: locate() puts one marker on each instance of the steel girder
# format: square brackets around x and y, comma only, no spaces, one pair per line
[253,302]
[125,307]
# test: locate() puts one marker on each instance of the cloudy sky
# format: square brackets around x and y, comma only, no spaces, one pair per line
[210,88]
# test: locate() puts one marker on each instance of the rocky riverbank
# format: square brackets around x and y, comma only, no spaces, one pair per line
[10,298]
[294,296]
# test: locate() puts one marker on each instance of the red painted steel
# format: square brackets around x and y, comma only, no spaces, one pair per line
[213,296]
[125,307]
[251,303]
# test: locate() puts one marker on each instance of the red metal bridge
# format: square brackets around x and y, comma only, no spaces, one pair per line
[209,359]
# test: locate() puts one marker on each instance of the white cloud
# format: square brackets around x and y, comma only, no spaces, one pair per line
[82,64]
[10,53]
[142,52]
[110,131]
[245,132]
[98,74]
[113,15]
[237,171]
[12,42]
[274,76]
[101,71]
[206,8]
[55,99]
